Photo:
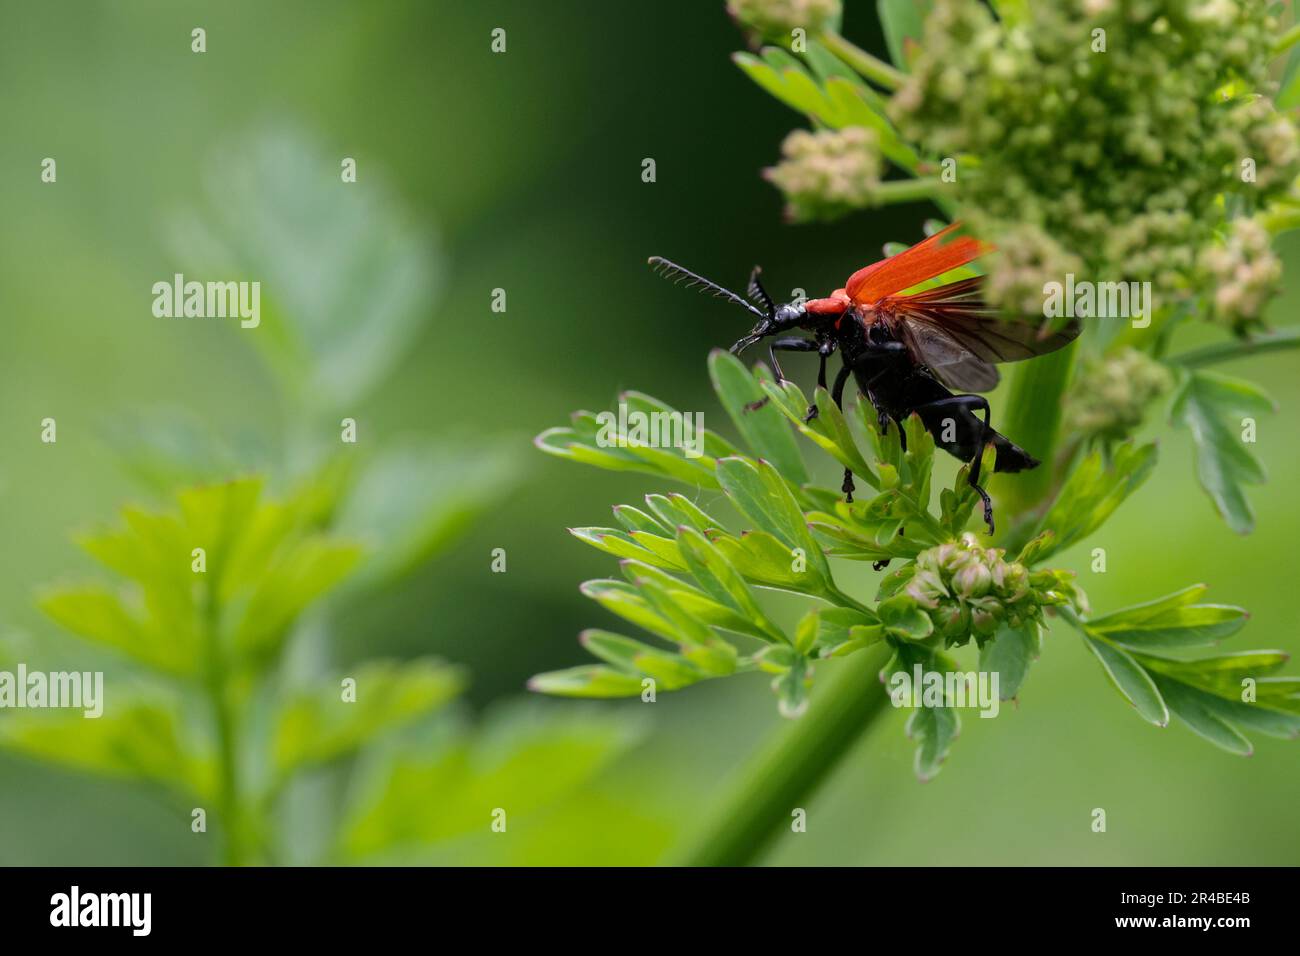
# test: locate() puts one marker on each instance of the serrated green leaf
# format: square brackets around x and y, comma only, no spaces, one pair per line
[764,428]
[1131,680]
[586,680]
[903,618]
[721,581]
[1009,655]
[132,739]
[1092,493]
[98,615]
[1223,463]
[1190,706]
[933,729]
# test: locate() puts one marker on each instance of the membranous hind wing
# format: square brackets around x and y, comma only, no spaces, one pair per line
[953,331]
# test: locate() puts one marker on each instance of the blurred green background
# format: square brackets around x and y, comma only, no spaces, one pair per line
[523,170]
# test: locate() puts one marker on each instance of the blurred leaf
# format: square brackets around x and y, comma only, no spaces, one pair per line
[162,450]
[521,761]
[303,573]
[414,498]
[346,280]
[263,564]
[1223,463]
[318,726]
[133,739]
[98,615]
[902,20]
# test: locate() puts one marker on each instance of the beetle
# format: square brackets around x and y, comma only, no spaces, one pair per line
[926,353]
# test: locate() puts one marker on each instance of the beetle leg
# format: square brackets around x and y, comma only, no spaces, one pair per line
[792,344]
[837,396]
[971,403]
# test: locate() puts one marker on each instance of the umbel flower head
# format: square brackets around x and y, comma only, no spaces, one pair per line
[827,173]
[971,591]
[1111,394]
[1242,274]
[776,18]
[1107,125]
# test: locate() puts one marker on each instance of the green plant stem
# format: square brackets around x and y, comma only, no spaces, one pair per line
[787,771]
[904,190]
[1286,40]
[1276,341]
[234,852]
[1033,421]
[871,67]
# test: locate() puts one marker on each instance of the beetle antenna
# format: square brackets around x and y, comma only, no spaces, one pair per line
[756,291]
[671,270]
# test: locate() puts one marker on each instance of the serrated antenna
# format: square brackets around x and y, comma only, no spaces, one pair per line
[671,270]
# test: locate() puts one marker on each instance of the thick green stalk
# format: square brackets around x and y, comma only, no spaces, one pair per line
[1031,417]
[905,190]
[235,850]
[787,771]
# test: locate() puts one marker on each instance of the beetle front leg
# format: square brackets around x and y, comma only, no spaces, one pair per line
[792,344]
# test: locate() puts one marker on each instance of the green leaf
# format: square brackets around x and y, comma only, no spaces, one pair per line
[634,519]
[320,725]
[1131,680]
[623,545]
[523,760]
[842,630]
[761,494]
[299,576]
[1223,463]
[670,671]
[597,440]
[766,561]
[324,256]
[1191,707]
[1173,621]
[588,680]
[415,498]
[1092,493]
[764,428]
[933,729]
[675,509]
[902,20]
[98,615]
[1009,655]
[694,601]
[721,581]
[133,739]
[904,619]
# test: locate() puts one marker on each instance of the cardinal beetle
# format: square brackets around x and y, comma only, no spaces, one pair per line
[923,353]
